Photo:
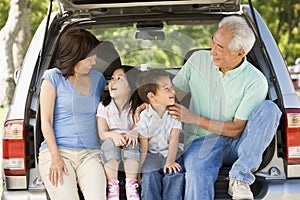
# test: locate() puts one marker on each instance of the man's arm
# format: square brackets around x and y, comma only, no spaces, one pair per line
[232,128]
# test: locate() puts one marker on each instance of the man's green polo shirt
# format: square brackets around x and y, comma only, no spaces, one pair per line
[219,97]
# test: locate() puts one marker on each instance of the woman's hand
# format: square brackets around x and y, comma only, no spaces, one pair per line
[132,137]
[57,168]
[172,167]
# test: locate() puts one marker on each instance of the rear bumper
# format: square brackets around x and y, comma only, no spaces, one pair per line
[288,189]
[24,195]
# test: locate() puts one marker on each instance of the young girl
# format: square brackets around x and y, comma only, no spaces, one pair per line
[114,118]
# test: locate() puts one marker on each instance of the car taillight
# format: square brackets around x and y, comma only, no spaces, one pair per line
[293,136]
[14,162]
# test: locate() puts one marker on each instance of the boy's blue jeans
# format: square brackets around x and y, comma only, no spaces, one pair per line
[156,185]
[204,156]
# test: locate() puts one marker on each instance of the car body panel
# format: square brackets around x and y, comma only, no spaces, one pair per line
[283,190]
[205,5]
[73,12]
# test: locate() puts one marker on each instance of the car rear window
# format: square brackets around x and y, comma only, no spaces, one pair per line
[157,47]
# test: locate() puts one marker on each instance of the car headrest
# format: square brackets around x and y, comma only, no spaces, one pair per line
[190,52]
[108,58]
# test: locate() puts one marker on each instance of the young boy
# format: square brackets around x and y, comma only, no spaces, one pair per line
[162,174]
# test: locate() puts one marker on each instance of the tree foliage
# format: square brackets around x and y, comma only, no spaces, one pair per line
[282,18]
[168,52]
[4,7]
[8,34]
[37,7]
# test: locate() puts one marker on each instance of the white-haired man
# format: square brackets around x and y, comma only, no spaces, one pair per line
[228,121]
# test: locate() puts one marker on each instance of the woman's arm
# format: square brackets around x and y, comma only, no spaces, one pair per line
[171,165]
[47,101]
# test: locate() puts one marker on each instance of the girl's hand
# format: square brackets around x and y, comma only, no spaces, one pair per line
[132,137]
[172,167]
[118,139]
[57,168]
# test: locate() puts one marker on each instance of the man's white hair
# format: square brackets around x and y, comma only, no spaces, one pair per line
[243,37]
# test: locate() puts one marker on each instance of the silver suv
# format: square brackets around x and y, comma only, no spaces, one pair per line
[150,34]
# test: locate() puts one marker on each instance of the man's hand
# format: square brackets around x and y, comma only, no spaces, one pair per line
[183,114]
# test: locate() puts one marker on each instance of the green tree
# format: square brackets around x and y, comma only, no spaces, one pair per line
[38,12]
[282,18]
[4,7]
[8,36]
[15,36]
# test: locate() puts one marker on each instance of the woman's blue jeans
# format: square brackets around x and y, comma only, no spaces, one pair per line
[204,156]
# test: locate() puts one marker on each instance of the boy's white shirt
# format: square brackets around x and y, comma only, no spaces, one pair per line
[157,130]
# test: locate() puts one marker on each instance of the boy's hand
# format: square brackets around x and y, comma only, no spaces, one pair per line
[172,167]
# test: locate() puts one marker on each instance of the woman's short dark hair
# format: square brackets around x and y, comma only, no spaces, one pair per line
[75,44]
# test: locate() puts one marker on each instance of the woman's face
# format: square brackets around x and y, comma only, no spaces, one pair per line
[118,86]
[84,66]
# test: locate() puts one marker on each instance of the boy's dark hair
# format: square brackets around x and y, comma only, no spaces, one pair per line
[131,74]
[75,44]
[147,82]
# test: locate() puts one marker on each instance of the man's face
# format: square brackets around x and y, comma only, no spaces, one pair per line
[222,55]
